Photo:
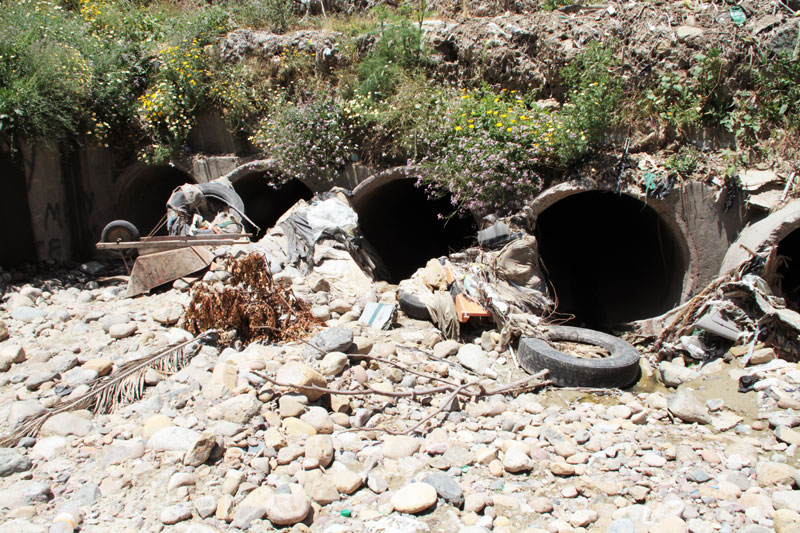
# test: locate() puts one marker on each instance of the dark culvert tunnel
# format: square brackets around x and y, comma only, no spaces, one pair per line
[144,201]
[16,231]
[610,259]
[788,271]
[263,203]
[406,228]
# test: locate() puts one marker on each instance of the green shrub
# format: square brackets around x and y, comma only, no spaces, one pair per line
[398,49]
[594,93]
[698,97]
[274,15]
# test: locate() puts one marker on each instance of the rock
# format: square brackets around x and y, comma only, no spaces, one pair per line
[318,418]
[562,444]
[542,505]
[471,356]
[93,268]
[725,421]
[698,476]
[786,521]
[239,409]
[245,515]
[121,331]
[333,364]
[652,459]
[329,340]
[560,468]
[111,320]
[399,446]
[786,499]
[168,315]
[687,406]
[295,426]
[200,450]
[3,331]
[10,353]
[155,423]
[289,405]
[516,460]
[686,33]
[205,505]
[377,483]
[447,488]
[180,479]
[583,518]
[673,375]
[175,513]
[769,474]
[102,366]
[231,482]
[173,438]
[414,498]
[287,509]
[445,348]
[23,410]
[475,503]
[298,374]
[25,493]
[37,380]
[320,447]
[12,462]
[47,448]
[26,313]
[320,489]
[762,356]
[787,435]
[669,524]
[224,508]
[346,481]
[68,423]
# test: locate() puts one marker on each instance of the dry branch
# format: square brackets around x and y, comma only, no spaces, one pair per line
[125,385]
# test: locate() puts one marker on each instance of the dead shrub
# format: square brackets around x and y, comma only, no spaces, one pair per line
[251,303]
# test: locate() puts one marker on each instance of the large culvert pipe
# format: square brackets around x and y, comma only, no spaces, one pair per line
[609,258]
[263,203]
[406,227]
[16,230]
[144,196]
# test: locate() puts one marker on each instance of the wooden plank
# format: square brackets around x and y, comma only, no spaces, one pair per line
[168,244]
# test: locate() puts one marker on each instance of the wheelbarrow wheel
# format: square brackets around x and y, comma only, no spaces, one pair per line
[619,369]
[119,231]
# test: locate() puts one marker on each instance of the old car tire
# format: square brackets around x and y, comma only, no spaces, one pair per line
[413,306]
[119,230]
[619,369]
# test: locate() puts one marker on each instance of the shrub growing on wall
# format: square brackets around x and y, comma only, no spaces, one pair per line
[308,139]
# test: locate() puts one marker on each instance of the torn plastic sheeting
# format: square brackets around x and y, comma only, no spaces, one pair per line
[378,315]
[308,223]
[714,323]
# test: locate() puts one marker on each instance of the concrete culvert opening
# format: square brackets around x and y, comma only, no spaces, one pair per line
[16,231]
[788,270]
[609,258]
[405,227]
[263,203]
[144,200]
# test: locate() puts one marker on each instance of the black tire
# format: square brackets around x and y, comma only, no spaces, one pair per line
[119,230]
[619,369]
[413,306]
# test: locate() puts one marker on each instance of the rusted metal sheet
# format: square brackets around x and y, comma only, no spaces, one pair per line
[152,270]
